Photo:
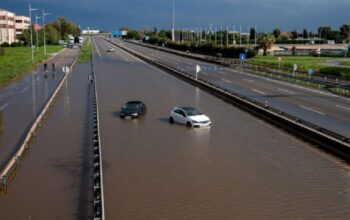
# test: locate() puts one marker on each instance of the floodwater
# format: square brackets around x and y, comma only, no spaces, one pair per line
[22,101]
[54,181]
[240,168]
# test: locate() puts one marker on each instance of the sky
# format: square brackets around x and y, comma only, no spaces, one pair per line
[266,15]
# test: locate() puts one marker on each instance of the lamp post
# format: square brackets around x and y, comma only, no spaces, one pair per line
[44,14]
[37,39]
[31,30]
[173,30]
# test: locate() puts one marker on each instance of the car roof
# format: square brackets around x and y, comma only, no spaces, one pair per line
[186,108]
[134,102]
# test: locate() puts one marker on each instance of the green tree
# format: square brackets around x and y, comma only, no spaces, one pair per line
[266,41]
[294,34]
[324,32]
[345,32]
[277,32]
[305,34]
[135,35]
[252,34]
[65,28]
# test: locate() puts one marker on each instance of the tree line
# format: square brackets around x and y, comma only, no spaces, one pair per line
[55,31]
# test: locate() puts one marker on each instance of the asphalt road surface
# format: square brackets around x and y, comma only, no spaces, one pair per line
[21,102]
[240,168]
[319,107]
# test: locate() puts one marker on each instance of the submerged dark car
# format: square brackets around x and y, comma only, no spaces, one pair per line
[133,109]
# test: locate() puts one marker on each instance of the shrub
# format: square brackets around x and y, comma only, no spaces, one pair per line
[335,71]
[5,44]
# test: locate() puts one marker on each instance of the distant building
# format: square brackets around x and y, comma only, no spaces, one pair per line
[11,26]
[22,23]
[90,32]
[7,27]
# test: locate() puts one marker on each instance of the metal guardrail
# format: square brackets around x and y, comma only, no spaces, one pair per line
[338,82]
[10,169]
[98,203]
[326,139]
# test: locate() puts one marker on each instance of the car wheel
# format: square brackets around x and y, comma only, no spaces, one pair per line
[171,120]
[189,125]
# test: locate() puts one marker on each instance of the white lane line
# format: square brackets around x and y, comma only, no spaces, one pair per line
[98,51]
[37,79]
[342,107]
[258,91]
[248,80]
[287,91]
[4,106]
[310,109]
[25,89]
[225,80]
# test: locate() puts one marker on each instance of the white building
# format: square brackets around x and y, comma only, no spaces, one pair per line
[7,27]
[22,23]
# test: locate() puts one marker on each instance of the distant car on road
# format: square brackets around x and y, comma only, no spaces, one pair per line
[191,117]
[133,109]
[110,49]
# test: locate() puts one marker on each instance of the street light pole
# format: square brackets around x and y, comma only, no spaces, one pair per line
[173,30]
[31,30]
[44,14]
[37,39]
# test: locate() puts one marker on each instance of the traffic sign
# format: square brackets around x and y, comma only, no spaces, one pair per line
[310,72]
[242,56]
[65,69]
[198,69]
[295,67]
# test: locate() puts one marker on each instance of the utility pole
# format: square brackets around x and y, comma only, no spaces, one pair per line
[173,30]
[44,14]
[37,39]
[31,30]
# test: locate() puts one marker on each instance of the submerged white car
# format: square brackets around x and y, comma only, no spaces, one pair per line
[189,116]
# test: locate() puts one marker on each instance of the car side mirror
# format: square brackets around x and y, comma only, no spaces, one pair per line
[123,107]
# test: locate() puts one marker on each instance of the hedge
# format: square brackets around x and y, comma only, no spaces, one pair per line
[335,71]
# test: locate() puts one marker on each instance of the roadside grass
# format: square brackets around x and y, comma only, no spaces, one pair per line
[304,62]
[85,52]
[18,61]
[345,63]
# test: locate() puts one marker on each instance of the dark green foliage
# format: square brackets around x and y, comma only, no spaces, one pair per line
[5,44]
[211,49]
[335,71]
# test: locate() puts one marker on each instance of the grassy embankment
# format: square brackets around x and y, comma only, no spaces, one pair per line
[345,63]
[304,62]
[17,61]
[86,52]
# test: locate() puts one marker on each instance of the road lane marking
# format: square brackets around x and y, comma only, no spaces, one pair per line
[98,51]
[4,106]
[223,73]
[342,107]
[25,89]
[287,91]
[310,109]
[225,80]
[248,80]
[258,91]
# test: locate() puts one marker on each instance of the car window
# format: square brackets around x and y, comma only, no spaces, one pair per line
[132,106]
[180,112]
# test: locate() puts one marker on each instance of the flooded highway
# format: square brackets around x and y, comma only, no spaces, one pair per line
[240,168]
[21,101]
[54,181]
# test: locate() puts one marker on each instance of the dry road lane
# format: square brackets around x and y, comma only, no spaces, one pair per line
[240,168]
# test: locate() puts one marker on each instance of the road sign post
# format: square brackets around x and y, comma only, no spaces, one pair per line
[310,72]
[65,69]
[242,57]
[279,61]
[198,69]
[295,68]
